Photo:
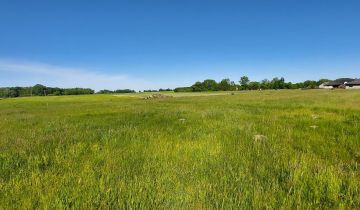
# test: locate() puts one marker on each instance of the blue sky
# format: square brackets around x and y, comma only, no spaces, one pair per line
[148,44]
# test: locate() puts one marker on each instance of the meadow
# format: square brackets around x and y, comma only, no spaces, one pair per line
[286,149]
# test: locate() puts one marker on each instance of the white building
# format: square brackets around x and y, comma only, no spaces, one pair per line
[353,84]
[325,86]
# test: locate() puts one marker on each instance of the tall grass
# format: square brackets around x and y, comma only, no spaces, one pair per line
[103,151]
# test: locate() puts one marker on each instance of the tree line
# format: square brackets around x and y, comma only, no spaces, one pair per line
[207,85]
[41,90]
[160,90]
[115,91]
[245,84]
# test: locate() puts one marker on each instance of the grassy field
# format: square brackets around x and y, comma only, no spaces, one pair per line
[197,152]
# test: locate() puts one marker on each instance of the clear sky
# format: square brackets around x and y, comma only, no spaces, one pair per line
[148,44]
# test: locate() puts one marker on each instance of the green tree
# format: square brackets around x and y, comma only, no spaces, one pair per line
[197,87]
[39,90]
[244,81]
[310,84]
[265,84]
[225,84]
[254,85]
[277,83]
[183,89]
[321,81]
[210,84]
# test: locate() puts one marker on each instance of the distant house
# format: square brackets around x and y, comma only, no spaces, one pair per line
[339,83]
[355,84]
[325,86]
[334,84]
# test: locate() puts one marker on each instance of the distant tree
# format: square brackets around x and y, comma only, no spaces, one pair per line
[321,81]
[288,85]
[54,91]
[244,81]
[57,93]
[3,92]
[124,91]
[254,85]
[13,92]
[265,84]
[299,85]
[39,90]
[183,89]
[197,87]
[78,91]
[167,89]
[282,83]
[210,85]
[311,84]
[104,91]
[233,86]
[277,83]
[225,85]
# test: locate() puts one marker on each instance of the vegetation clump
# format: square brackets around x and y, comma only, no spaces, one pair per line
[259,137]
[157,96]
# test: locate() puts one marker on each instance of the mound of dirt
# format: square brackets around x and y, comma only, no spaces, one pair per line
[156,96]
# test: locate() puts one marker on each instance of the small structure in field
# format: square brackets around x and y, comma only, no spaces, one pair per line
[353,84]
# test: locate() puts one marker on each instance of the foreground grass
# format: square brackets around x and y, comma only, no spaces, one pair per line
[103,151]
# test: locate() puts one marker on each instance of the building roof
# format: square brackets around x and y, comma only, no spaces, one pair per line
[354,82]
[342,81]
[334,83]
[325,83]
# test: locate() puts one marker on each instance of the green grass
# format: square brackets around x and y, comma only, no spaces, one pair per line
[104,151]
